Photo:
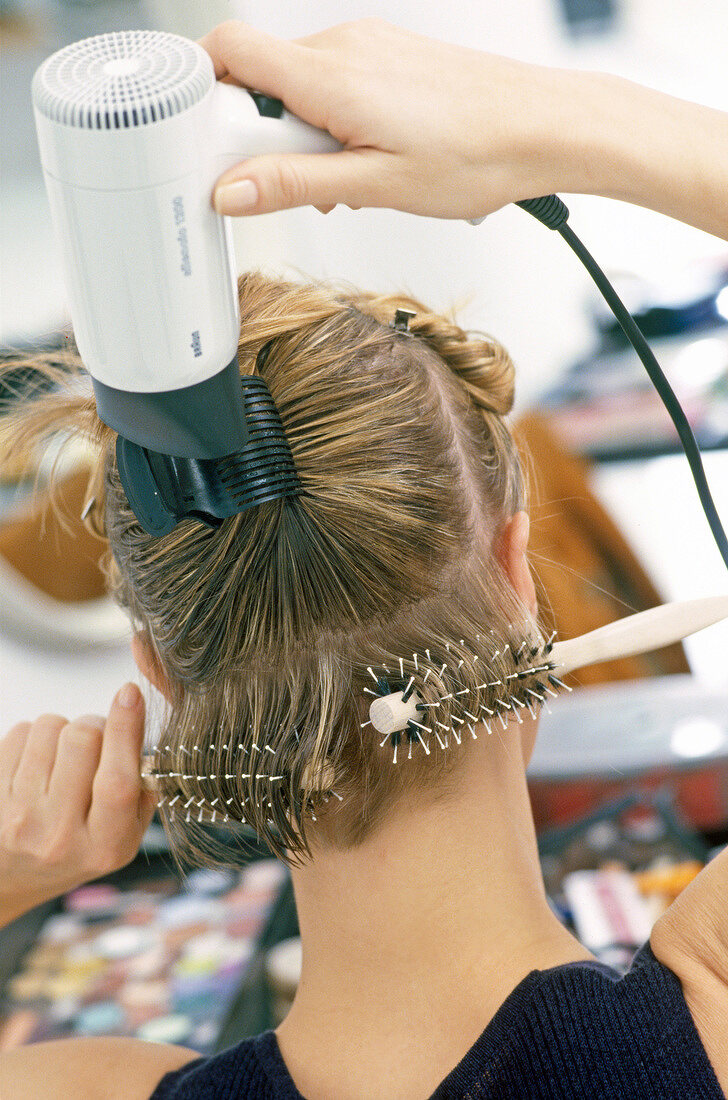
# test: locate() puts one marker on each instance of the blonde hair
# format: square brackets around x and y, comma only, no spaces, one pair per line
[265,627]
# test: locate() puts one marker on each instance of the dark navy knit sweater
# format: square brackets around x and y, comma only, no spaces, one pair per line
[578,1030]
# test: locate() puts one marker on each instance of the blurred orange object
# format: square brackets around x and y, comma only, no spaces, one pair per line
[587,573]
[62,563]
[669,881]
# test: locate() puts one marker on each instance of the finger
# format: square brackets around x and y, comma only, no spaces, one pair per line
[77,759]
[39,755]
[11,750]
[256,59]
[303,78]
[353,177]
[117,786]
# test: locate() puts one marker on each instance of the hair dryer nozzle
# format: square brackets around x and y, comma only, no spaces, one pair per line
[164,489]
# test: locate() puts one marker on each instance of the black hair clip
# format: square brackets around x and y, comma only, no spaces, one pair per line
[402,318]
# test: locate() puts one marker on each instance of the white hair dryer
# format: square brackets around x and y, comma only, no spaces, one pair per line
[133,131]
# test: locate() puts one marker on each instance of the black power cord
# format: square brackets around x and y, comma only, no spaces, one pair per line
[552,212]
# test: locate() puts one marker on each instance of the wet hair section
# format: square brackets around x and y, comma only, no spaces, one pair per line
[266,627]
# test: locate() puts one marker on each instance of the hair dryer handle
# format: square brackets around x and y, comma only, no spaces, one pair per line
[241,132]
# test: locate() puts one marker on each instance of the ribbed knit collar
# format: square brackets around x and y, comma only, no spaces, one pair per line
[491,1043]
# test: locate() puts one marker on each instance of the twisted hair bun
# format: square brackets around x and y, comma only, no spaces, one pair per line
[483,365]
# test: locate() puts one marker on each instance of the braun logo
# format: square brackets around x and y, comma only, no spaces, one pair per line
[196,344]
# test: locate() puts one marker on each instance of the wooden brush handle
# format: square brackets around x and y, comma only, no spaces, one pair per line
[640,633]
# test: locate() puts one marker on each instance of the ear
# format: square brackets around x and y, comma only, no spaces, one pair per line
[510,550]
[146,662]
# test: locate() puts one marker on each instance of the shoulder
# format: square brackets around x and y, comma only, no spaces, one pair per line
[691,940]
[90,1069]
[705,990]
[633,1034]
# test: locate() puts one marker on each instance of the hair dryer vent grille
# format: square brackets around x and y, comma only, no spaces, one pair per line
[122,80]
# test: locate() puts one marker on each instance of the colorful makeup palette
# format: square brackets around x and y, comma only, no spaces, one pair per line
[161,962]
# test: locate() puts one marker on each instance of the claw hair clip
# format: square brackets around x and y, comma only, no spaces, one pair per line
[392,712]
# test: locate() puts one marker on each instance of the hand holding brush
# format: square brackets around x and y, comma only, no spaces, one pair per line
[72,804]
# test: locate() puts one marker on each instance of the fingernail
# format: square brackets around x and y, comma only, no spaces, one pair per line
[236,198]
[128,696]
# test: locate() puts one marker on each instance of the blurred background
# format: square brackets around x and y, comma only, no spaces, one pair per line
[630,775]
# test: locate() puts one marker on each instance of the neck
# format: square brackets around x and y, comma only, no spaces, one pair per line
[413,940]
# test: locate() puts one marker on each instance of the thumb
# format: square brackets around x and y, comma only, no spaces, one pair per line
[355,177]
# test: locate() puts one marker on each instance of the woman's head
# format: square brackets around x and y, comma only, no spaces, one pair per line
[264,629]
